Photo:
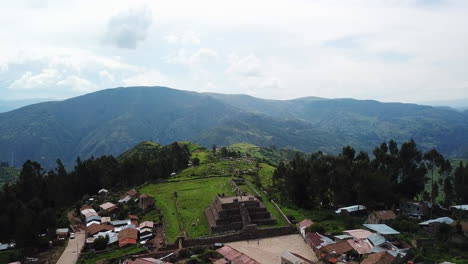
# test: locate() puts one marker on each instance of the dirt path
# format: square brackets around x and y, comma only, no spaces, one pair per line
[72,251]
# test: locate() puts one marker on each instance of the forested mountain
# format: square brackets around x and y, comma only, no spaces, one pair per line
[110,121]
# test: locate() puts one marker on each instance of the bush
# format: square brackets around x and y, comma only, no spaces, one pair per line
[101,242]
[319,228]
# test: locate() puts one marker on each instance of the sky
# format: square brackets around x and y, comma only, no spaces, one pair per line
[387,50]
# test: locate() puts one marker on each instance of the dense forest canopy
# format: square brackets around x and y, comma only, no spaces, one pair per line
[35,204]
[396,173]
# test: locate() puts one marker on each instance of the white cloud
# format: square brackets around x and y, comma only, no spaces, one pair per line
[186,38]
[43,80]
[248,65]
[127,29]
[147,78]
[106,76]
[77,84]
[202,56]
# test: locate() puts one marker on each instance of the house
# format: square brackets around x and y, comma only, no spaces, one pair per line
[354,209]
[113,236]
[339,250]
[376,239]
[414,209]
[316,241]
[433,225]
[95,228]
[146,261]
[146,230]
[146,202]
[232,256]
[121,224]
[105,220]
[128,236]
[362,247]
[129,195]
[292,258]
[103,193]
[379,258]
[134,219]
[87,214]
[461,207]
[381,217]
[303,225]
[62,233]
[358,234]
[95,219]
[382,229]
[109,208]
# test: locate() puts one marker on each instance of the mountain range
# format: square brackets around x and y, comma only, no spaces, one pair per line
[113,120]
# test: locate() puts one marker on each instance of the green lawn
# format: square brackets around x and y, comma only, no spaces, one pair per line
[219,168]
[92,258]
[193,197]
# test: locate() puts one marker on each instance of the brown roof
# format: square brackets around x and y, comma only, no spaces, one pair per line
[235,256]
[385,215]
[95,228]
[133,217]
[85,207]
[144,196]
[379,258]
[130,233]
[340,247]
[358,233]
[132,192]
[305,223]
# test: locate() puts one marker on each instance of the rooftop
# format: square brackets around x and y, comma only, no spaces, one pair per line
[349,209]
[382,229]
[379,258]
[440,220]
[385,215]
[358,233]
[235,256]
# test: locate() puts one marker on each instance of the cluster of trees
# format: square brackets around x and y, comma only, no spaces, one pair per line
[31,206]
[394,174]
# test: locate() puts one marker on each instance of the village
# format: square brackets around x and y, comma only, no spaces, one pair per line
[218,212]
[238,237]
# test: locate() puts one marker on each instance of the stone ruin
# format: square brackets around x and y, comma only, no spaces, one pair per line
[237,212]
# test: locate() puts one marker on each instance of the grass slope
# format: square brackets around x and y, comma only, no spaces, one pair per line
[193,196]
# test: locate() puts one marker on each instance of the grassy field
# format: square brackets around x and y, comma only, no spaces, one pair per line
[212,169]
[92,258]
[193,196]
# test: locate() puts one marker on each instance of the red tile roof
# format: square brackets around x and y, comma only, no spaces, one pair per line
[95,228]
[385,215]
[128,236]
[379,258]
[361,246]
[235,256]
[340,247]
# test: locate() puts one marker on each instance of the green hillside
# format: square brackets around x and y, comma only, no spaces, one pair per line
[108,122]
[141,150]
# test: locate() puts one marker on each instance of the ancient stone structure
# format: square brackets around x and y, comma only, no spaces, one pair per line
[237,212]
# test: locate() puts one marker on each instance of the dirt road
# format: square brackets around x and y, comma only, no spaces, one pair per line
[72,251]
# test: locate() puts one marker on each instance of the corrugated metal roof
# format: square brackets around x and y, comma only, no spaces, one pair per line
[235,256]
[440,220]
[358,233]
[318,241]
[62,230]
[107,206]
[361,246]
[460,207]
[376,239]
[382,229]
[349,209]
[343,237]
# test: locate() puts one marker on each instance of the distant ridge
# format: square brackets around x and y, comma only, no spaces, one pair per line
[113,120]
